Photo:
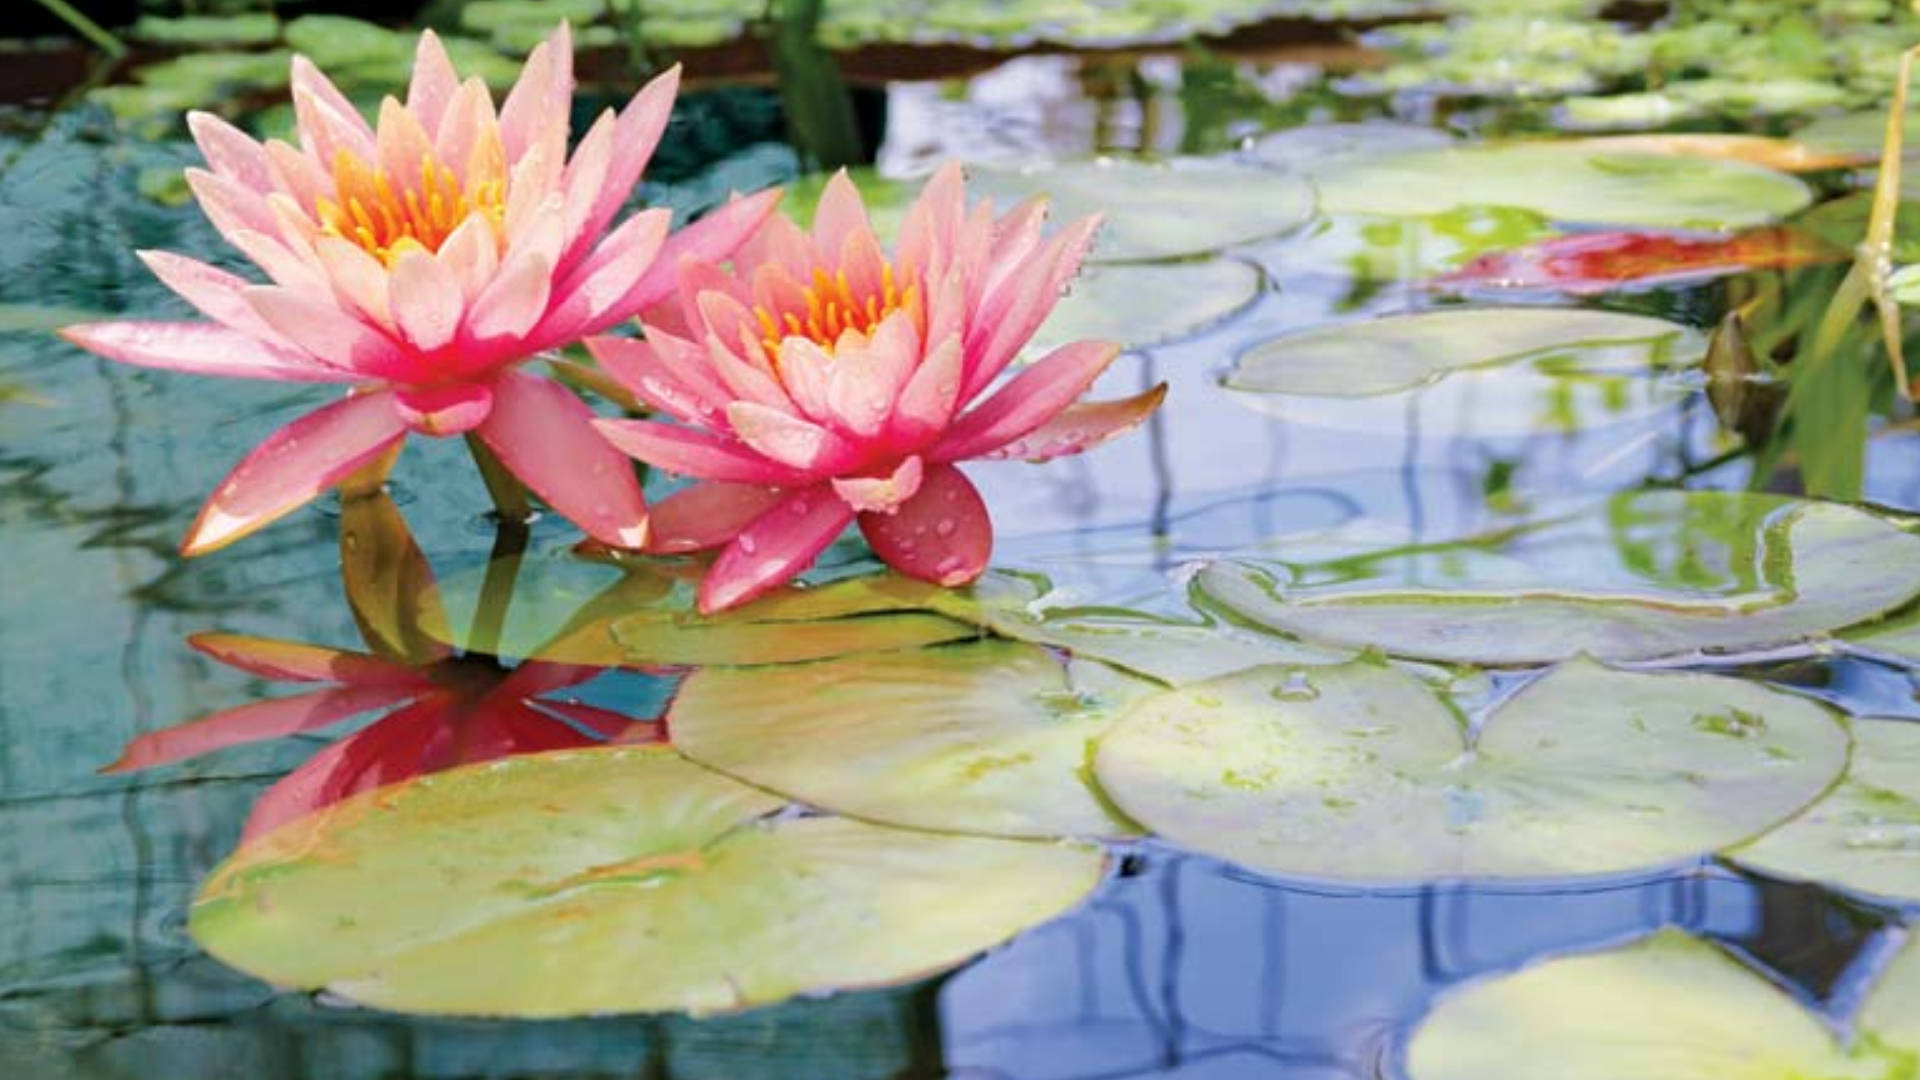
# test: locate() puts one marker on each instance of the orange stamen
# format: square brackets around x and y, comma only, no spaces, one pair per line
[832,309]
[387,215]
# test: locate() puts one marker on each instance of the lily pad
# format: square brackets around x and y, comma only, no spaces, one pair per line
[1525,352]
[614,880]
[1360,773]
[642,614]
[1865,834]
[1635,576]
[1142,305]
[991,737]
[1161,210]
[1670,1006]
[1566,183]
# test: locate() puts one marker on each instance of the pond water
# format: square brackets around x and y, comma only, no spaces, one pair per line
[1303,475]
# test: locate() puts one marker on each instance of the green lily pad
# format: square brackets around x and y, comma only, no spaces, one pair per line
[990,737]
[1360,773]
[1564,183]
[1142,305]
[1669,1006]
[574,611]
[615,880]
[1891,1013]
[1865,834]
[1635,576]
[1524,369]
[1161,210]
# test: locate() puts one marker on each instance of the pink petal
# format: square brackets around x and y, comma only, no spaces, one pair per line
[330,333]
[255,722]
[1028,400]
[472,254]
[881,494]
[358,279]
[747,378]
[584,179]
[840,214]
[864,381]
[201,348]
[328,122]
[402,145]
[928,400]
[593,297]
[931,229]
[539,101]
[635,136]
[535,677]
[231,206]
[711,239]
[652,370]
[468,126]
[777,545]
[294,661]
[692,452]
[787,439]
[426,299]
[298,175]
[213,292]
[293,466]
[1008,318]
[706,515]
[434,81]
[1081,427]
[386,751]
[805,370]
[230,152]
[444,410]
[510,307]
[545,436]
[942,534]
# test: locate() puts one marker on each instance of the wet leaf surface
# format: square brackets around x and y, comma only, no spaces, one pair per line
[446,896]
[1360,773]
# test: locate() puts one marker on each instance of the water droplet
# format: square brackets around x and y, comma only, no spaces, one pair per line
[1734,723]
[945,527]
[747,543]
[1296,687]
[799,507]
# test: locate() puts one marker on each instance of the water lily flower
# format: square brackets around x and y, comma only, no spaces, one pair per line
[821,381]
[417,261]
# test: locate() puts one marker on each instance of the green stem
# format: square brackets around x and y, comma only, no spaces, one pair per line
[86,27]
[510,500]
[513,511]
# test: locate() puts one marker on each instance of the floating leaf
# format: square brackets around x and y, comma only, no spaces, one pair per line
[1670,1006]
[1638,575]
[1148,304]
[1566,183]
[1589,263]
[615,880]
[991,737]
[1518,370]
[1891,1013]
[1865,834]
[1785,155]
[1161,210]
[1359,773]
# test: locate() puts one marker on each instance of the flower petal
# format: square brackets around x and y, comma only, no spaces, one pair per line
[927,402]
[255,722]
[787,439]
[706,515]
[774,547]
[711,239]
[1028,400]
[434,81]
[545,436]
[293,466]
[840,214]
[296,661]
[1007,318]
[230,152]
[328,122]
[1080,427]
[658,372]
[203,349]
[539,101]
[330,333]
[688,451]
[444,410]
[387,751]
[592,298]
[511,306]
[213,292]
[942,534]
[881,494]
[426,300]
[636,134]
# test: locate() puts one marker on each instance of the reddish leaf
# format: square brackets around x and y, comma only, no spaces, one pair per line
[1588,263]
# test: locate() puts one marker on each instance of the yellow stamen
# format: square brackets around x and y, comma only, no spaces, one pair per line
[386,220]
[832,309]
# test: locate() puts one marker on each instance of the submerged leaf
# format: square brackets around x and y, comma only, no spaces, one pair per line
[616,880]
[1640,575]
[1359,773]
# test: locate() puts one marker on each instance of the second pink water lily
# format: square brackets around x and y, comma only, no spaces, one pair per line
[418,261]
[821,381]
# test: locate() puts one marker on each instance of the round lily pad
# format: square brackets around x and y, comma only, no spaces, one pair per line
[989,737]
[1525,368]
[1146,304]
[1161,210]
[1891,1013]
[1360,773]
[613,880]
[1670,1006]
[1564,182]
[1865,834]
[1639,575]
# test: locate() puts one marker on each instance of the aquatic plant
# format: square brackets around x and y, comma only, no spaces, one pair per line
[819,382]
[420,262]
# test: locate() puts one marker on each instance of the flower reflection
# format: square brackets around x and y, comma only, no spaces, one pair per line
[442,708]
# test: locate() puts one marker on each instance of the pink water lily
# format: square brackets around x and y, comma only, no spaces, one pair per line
[821,381]
[418,261]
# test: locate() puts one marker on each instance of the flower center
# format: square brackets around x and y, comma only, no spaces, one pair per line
[388,215]
[832,309]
